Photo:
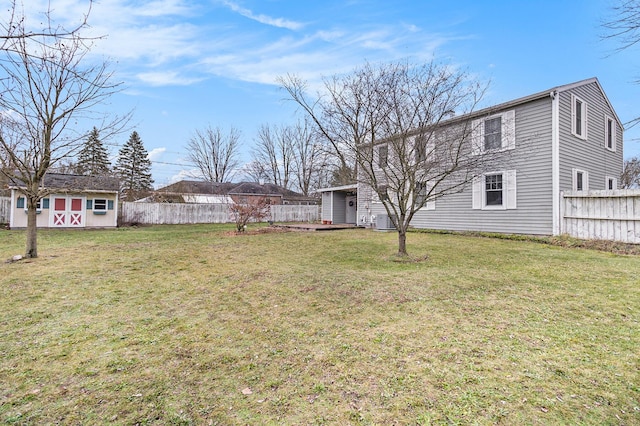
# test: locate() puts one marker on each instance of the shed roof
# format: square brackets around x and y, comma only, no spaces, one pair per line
[76,182]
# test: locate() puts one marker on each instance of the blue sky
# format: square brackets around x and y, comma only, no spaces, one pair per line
[188,64]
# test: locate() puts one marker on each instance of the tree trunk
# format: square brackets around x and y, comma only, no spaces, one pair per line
[402,243]
[32,229]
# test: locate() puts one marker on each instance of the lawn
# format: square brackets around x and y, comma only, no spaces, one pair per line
[195,325]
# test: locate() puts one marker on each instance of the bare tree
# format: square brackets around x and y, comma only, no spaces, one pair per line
[49,85]
[310,160]
[215,154]
[394,122]
[13,28]
[327,120]
[630,173]
[274,150]
[625,25]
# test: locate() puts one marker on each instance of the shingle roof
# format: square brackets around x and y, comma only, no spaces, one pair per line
[228,188]
[76,182]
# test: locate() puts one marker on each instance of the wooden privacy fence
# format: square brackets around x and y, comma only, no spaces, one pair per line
[178,213]
[5,209]
[602,215]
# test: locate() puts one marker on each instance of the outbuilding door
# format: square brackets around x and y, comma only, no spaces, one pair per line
[67,211]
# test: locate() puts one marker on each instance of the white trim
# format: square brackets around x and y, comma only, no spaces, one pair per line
[614,132]
[574,180]
[68,213]
[606,183]
[509,191]
[507,132]
[584,117]
[555,161]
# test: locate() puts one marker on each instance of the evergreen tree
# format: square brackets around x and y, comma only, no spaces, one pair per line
[93,159]
[134,169]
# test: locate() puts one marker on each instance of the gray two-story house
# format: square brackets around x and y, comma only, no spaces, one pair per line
[568,138]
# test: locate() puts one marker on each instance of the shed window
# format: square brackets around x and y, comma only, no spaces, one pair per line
[100,204]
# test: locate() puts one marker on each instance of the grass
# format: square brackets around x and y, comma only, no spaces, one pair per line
[194,325]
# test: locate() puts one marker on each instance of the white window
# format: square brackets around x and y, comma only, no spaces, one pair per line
[578,117]
[611,183]
[420,148]
[421,191]
[383,156]
[609,133]
[580,180]
[495,191]
[496,132]
[99,205]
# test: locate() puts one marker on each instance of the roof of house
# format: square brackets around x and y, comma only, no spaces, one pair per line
[535,96]
[229,188]
[549,93]
[75,182]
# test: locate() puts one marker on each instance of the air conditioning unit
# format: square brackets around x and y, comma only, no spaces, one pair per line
[383,221]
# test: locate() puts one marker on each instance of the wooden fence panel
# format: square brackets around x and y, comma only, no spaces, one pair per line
[5,209]
[179,213]
[602,215]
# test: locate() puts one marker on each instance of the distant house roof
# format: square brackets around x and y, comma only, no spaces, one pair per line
[229,188]
[75,182]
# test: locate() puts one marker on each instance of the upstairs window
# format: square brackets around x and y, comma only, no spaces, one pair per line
[383,156]
[578,117]
[610,133]
[494,133]
[420,148]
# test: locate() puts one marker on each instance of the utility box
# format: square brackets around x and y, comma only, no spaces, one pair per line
[383,221]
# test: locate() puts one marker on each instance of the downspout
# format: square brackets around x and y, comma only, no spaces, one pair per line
[555,160]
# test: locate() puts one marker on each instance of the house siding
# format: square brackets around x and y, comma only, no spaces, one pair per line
[531,160]
[543,128]
[590,155]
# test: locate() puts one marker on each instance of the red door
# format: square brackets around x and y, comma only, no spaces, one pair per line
[59,211]
[75,215]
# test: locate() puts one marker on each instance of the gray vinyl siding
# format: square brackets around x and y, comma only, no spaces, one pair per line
[532,161]
[590,155]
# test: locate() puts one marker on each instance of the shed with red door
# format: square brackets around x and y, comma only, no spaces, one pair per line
[72,201]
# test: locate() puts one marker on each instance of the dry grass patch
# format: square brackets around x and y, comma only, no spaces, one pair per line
[191,325]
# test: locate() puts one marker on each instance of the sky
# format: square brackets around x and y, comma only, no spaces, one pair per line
[186,65]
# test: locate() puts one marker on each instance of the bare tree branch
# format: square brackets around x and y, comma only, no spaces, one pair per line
[215,154]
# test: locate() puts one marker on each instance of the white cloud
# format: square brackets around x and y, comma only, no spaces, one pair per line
[156,153]
[166,78]
[264,19]
[179,42]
